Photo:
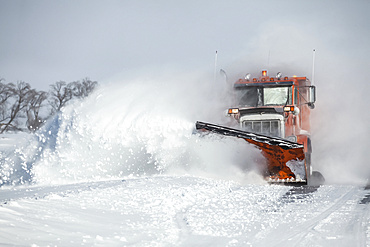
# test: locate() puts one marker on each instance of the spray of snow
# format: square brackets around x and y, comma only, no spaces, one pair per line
[140,127]
[297,167]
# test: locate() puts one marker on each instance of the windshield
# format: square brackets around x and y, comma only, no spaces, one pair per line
[250,96]
[275,95]
[264,96]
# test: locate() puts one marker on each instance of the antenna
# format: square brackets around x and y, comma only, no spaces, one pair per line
[313,66]
[214,76]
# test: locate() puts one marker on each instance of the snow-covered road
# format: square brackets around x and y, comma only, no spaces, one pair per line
[184,211]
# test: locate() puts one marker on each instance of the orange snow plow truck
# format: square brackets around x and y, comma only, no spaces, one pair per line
[273,114]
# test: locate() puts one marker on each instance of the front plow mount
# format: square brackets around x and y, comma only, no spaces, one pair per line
[285,160]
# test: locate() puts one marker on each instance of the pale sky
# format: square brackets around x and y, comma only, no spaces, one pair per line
[43,41]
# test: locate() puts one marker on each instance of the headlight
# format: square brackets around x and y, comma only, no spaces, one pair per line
[288,108]
[233,111]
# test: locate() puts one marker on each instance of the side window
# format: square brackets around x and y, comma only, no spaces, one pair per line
[296,93]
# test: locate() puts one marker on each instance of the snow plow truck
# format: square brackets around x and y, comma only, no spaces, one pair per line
[273,114]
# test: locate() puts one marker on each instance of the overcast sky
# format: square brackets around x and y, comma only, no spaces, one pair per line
[43,41]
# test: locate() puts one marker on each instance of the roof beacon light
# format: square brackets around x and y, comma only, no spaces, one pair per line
[278,75]
[247,76]
[264,72]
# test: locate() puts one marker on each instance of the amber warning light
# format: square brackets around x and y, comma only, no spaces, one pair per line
[233,111]
[264,72]
[288,108]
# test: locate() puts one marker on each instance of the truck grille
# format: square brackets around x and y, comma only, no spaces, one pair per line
[265,127]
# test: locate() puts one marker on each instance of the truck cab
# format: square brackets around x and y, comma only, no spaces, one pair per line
[276,107]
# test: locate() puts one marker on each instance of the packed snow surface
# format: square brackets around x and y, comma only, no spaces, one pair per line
[125,168]
[182,211]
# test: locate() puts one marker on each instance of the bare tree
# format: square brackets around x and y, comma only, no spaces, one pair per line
[22,92]
[6,92]
[60,94]
[34,120]
[82,90]
[19,101]
[89,86]
[77,89]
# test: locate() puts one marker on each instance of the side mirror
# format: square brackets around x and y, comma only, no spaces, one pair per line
[311,95]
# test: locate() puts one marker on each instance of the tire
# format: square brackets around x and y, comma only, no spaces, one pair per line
[316,179]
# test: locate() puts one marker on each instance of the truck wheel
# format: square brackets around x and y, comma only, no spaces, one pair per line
[316,179]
